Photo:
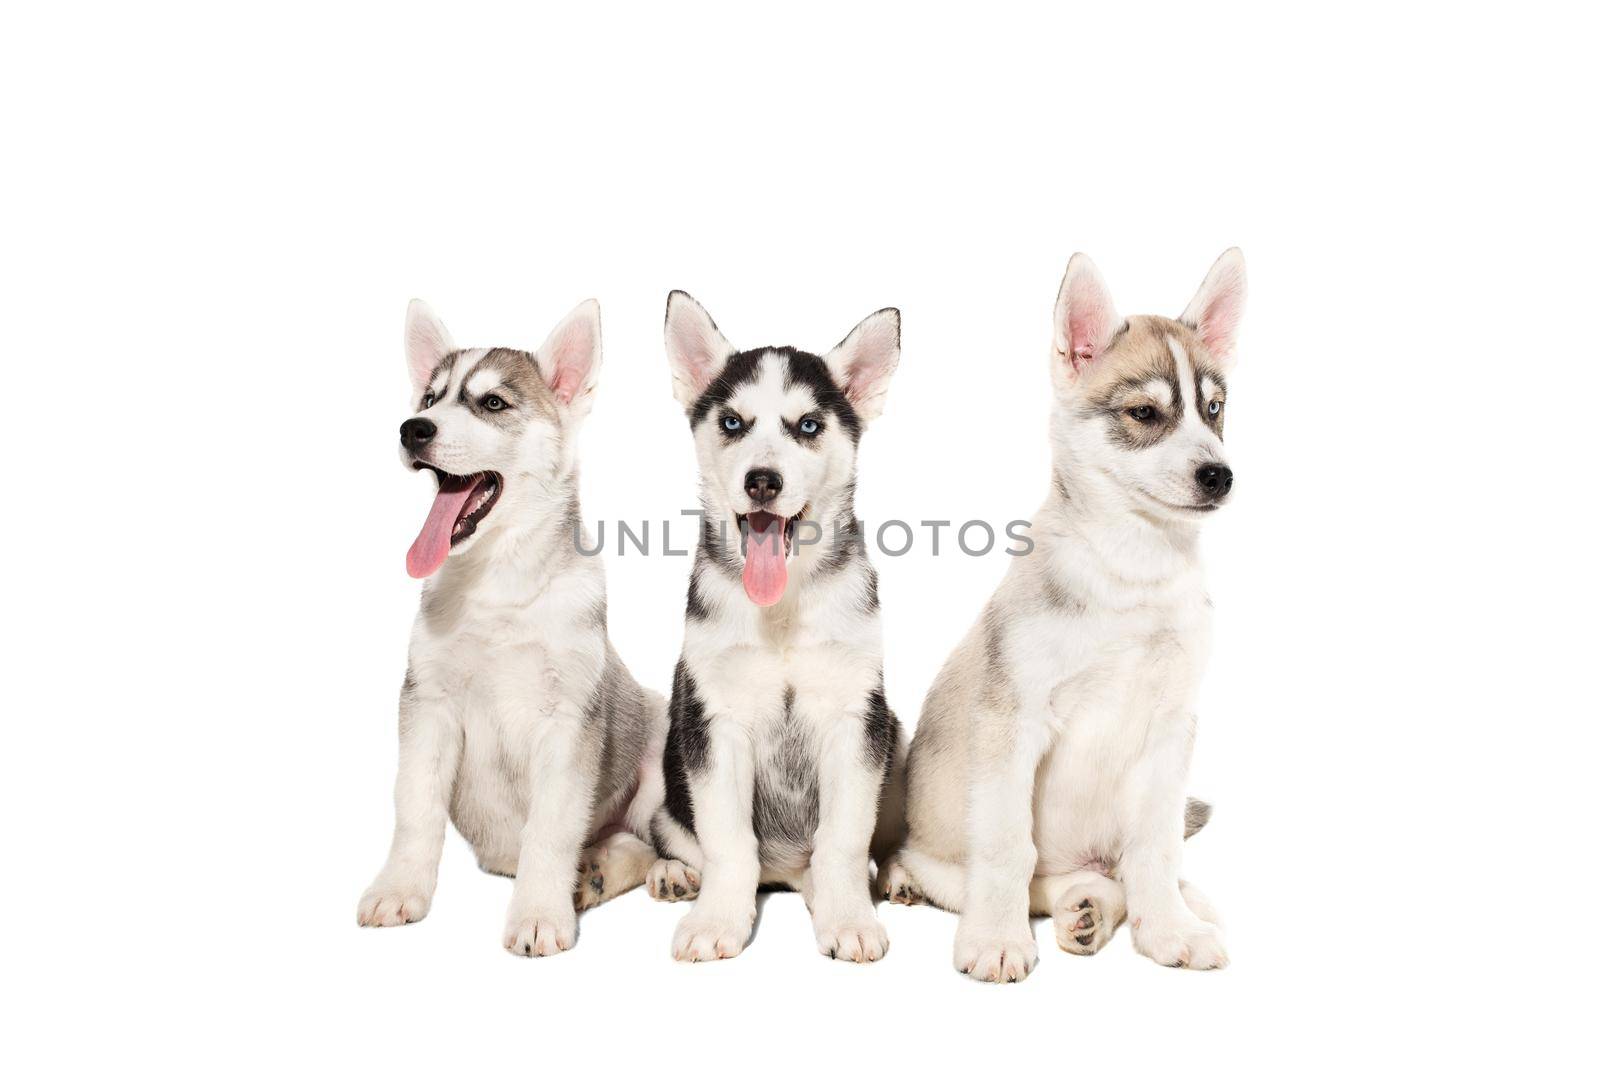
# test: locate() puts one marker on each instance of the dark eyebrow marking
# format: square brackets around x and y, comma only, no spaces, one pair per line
[792,429]
[740,368]
[1141,382]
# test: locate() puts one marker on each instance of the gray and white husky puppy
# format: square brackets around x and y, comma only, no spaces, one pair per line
[781,743]
[1047,774]
[517,718]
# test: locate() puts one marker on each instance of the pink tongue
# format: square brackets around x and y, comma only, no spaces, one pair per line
[766,564]
[433,543]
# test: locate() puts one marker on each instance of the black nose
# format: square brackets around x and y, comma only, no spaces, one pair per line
[414,433]
[762,484]
[1215,480]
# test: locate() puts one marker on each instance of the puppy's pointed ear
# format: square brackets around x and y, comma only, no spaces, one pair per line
[1216,310]
[427,342]
[696,349]
[1085,320]
[569,359]
[863,362]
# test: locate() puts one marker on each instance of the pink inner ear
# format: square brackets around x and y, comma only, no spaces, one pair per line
[1088,319]
[568,381]
[694,351]
[572,360]
[1220,322]
[862,378]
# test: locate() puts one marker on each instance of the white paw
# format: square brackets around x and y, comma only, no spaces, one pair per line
[672,880]
[1081,927]
[704,937]
[1180,942]
[540,934]
[895,884]
[862,941]
[392,904]
[990,956]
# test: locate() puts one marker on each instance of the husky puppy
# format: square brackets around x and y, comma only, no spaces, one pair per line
[781,742]
[1047,774]
[516,716]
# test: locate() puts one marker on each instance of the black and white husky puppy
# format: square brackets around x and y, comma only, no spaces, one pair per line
[781,743]
[517,718]
[1048,770]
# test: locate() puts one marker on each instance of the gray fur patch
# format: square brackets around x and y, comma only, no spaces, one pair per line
[786,807]
[994,650]
[1059,599]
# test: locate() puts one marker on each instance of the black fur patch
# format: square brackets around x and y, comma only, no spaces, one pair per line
[687,743]
[846,545]
[812,372]
[739,369]
[800,369]
[883,731]
[714,548]
[695,608]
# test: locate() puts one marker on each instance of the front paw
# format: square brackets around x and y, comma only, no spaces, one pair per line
[1180,942]
[672,880]
[393,902]
[702,937]
[995,956]
[859,941]
[540,933]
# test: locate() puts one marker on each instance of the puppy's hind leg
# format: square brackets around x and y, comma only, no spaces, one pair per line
[611,867]
[1199,903]
[675,875]
[1087,907]
[912,876]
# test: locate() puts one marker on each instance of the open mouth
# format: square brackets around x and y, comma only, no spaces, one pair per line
[768,542]
[464,500]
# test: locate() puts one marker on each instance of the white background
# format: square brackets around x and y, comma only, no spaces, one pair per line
[212,225]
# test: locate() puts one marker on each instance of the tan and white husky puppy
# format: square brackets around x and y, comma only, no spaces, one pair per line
[517,718]
[1047,773]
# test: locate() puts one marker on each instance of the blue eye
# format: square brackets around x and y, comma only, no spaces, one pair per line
[1215,408]
[809,427]
[732,423]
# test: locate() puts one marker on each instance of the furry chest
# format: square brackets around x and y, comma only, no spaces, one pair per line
[1108,720]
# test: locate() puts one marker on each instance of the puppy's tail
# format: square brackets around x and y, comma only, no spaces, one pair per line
[1196,813]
